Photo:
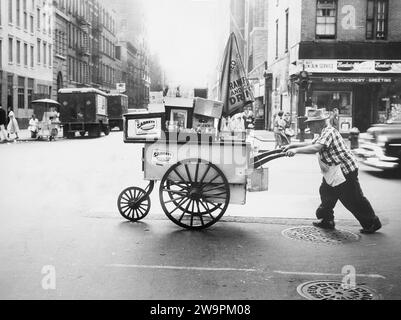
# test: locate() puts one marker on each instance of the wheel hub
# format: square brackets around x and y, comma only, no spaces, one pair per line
[195,193]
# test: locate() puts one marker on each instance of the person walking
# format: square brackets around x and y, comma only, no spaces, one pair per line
[288,131]
[3,123]
[12,126]
[279,131]
[340,175]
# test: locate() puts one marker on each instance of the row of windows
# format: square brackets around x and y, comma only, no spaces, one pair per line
[23,53]
[82,8]
[376,19]
[23,16]
[78,71]
[326,22]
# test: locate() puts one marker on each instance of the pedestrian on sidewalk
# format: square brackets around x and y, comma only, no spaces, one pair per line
[289,132]
[279,131]
[34,127]
[340,175]
[3,123]
[12,126]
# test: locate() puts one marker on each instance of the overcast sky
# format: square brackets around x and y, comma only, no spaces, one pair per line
[187,36]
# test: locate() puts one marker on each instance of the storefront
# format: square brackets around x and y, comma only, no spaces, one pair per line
[364,92]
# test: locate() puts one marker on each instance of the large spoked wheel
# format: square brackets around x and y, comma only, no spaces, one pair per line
[194,194]
[133,204]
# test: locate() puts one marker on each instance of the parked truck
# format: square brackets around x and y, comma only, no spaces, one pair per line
[117,106]
[83,110]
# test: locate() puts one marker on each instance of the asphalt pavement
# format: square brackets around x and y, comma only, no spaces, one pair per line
[59,217]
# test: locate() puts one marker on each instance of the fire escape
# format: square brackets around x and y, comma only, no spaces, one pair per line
[96,54]
[83,49]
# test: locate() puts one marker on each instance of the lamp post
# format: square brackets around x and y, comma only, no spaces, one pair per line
[268,78]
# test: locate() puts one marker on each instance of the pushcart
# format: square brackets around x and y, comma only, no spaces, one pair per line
[199,178]
[47,111]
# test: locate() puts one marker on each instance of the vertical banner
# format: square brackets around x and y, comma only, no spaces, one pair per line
[234,90]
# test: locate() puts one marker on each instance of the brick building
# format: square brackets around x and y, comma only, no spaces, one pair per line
[351,51]
[85,37]
[26,58]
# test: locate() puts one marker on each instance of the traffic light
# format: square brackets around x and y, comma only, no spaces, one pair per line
[304,80]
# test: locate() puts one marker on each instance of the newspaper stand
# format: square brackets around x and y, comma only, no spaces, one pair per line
[200,175]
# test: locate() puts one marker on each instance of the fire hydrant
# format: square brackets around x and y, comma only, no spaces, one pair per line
[354,138]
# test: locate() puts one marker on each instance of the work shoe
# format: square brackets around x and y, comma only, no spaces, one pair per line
[325,224]
[373,228]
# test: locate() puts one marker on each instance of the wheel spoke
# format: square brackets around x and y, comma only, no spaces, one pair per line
[205,174]
[178,184]
[200,214]
[218,175]
[176,192]
[220,186]
[188,174]
[208,210]
[186,209]
[196,172]
[175,199]
[179,176]
[124,211]
[192,214]
[126,199]
[179,205]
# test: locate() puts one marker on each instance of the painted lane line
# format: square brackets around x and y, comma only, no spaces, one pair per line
[134,266]
[377,276]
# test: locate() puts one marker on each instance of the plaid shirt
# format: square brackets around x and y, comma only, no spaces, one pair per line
[334,151]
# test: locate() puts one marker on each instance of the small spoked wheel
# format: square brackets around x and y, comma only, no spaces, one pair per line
[194,194]
[133,204]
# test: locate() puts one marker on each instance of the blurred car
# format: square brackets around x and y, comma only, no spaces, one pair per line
[380,146]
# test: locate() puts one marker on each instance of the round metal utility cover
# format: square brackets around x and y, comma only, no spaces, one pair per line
[333,290]
[321,236]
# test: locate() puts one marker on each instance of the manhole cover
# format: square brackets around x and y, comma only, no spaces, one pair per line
[316,235]
[333,290]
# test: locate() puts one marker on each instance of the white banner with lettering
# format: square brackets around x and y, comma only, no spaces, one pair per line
[352,66]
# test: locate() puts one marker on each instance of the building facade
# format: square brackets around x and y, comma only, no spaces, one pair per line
[85,37]
[350,50]
[249,22]
[26,54]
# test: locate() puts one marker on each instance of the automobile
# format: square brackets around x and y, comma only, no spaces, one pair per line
[380,146]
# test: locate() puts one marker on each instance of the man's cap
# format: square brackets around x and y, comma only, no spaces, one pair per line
[317,115]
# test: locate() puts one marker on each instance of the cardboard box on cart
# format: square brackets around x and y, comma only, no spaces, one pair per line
[145,125]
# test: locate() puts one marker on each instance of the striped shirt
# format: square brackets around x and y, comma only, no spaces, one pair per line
[334,151]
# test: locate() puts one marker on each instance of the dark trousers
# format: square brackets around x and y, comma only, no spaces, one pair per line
[351,196]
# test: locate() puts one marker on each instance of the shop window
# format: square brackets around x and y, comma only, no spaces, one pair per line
[21,93]
[377,20]
[326,19]
[340,100]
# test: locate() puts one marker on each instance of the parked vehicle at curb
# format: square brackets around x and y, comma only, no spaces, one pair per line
[380,146]
[83,110]
[117,106]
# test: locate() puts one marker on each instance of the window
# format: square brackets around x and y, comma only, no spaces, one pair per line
[21,93]
[38,19]
[18,13]
[287,16]
[31,23]
[10,11]
[44,53]
[277,39]
[376,20]
[10,50]
[25,55]
[30,92]
[32,56]
[18,52]
[326,19]
[38,48]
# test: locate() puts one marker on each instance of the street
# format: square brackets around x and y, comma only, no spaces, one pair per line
[59,214]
